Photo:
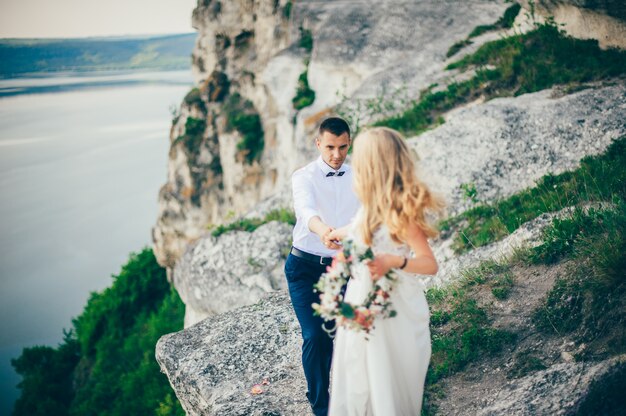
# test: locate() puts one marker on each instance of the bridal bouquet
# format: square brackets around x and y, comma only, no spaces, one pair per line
[332,305]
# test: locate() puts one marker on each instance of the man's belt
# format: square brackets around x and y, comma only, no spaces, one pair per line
[326,261]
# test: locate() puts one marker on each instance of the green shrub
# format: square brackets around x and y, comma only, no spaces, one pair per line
[525,363]
[193,97]
[46,378]
[251,224]
[304,94]
[457,46]
[194,130]
[106,364]
[287,10]
[461,330]
[242,116]
[306,39]
[590,298]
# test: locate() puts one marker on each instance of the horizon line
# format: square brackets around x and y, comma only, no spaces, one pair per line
[103,37]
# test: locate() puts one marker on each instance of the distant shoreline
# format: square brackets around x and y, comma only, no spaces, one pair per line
[44,57]
[35,83]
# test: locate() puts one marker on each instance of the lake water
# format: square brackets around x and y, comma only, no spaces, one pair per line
[82,159]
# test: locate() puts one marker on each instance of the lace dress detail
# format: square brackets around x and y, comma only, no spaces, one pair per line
[385,374]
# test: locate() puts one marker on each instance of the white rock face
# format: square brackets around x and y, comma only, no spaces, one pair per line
[602,20]
[214,364]
[506,144]
[558,390]
[216,275]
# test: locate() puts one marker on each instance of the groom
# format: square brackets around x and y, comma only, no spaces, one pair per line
[323,200]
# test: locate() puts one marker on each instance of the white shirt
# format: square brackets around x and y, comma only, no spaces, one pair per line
[331,198]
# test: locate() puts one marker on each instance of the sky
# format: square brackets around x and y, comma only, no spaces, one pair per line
[84,18]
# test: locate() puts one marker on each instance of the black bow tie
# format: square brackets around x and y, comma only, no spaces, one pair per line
[333,173]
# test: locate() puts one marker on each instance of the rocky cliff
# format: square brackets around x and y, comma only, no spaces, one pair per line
[500,146]
[247,61]
[364,59]
[603,20]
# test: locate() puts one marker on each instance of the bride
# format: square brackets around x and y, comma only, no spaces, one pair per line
[384,374]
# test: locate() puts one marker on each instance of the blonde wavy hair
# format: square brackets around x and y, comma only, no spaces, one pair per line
[386,182]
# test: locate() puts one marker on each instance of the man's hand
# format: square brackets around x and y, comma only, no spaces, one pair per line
[324,231]
[329,241]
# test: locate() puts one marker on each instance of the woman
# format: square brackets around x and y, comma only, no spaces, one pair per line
[385,374]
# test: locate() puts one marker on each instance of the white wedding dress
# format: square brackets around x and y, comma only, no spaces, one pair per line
[383,376]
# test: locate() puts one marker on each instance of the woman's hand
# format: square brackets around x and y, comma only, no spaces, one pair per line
[338,234]
[382,263]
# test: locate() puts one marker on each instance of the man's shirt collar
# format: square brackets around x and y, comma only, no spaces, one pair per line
[327,169]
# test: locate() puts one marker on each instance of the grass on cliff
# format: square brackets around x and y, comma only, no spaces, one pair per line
[461,330]
[194,98]
[305,96]
[243,117]
[251,224]
[587,302]
[590,300]
[105,364]
[512,66]
[505,22]
[192,138]
[599,178]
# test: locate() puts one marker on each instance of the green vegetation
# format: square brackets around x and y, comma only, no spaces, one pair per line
[194,98]
[525,363]
[20,56]
[287,10]
[425,113]
[599,178]
[542,58]
[457,46]
[304,94]
[505,22]
[590,299]
[461,330]
[251,224]
[105,364]
[517,65]
[306,39]
[243,117]
[194,130]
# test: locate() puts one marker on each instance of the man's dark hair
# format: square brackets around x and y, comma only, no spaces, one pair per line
[334,125]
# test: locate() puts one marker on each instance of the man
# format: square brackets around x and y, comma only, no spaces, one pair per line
[323,200]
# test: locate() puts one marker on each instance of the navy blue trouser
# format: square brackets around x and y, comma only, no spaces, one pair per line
[317,346]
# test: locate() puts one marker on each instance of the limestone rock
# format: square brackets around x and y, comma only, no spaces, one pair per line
[213,365]
[602,20]
[218,274]
[506,144]
[558,390]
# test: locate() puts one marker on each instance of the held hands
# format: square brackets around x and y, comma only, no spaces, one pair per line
[330,240]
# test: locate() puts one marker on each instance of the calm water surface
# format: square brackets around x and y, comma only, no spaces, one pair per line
[82,159]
